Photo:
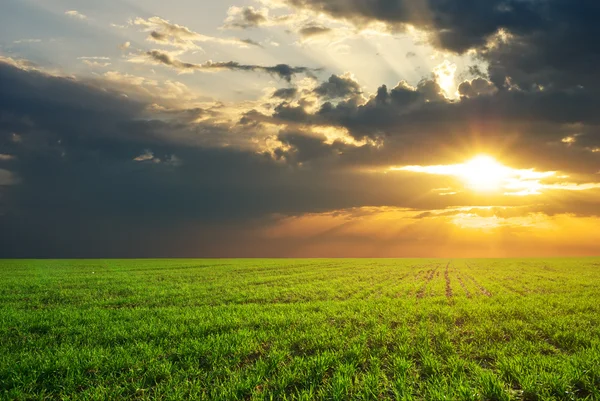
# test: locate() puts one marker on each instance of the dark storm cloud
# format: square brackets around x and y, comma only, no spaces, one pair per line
[301,147]
[393,111]
[384,110]
[477,87]
[338,87]
[284,71]
[531,42]
[75,160]
[456,25]
[417,123]
[98,177]
[291,113]
[561,51]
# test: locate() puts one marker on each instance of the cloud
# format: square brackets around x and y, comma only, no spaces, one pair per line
[526,44]
[458,27]
[423,115]
[167,93]
[96,62]
[477,87]
[308,25]
[87,139]
[125,46]
[245,17]
[557,53]
[75,14]
[93,58]
[300,147]
[7,178]
[251,42]
[338,87]
[146,156]
[283,71]
[164,32]
[6,158]
[313,30]
[18,63]
[285,93]
[27,41]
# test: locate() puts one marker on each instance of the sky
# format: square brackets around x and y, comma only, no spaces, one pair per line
[299,128]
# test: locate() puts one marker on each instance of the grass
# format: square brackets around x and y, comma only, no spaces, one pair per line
[526,329]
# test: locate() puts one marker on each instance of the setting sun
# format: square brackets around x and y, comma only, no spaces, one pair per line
[484,174]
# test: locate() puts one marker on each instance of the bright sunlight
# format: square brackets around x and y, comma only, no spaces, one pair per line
[485,174]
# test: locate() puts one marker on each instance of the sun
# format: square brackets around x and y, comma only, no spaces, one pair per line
[484,174]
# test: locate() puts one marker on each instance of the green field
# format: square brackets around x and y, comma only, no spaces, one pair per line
[405,329]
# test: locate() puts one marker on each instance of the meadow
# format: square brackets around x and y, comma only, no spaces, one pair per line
[261,329]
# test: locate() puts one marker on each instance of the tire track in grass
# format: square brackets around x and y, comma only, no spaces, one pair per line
[428,279]
[483,290]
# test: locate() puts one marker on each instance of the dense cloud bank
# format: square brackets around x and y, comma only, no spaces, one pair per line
[92,163]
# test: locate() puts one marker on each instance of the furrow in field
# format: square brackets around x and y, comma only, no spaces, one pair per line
[449,293]
[462,284]
[370,286]
[393,284]
[412,289]
[547,268]
[514,290]
[481,288]
[430,275]
[470,289]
